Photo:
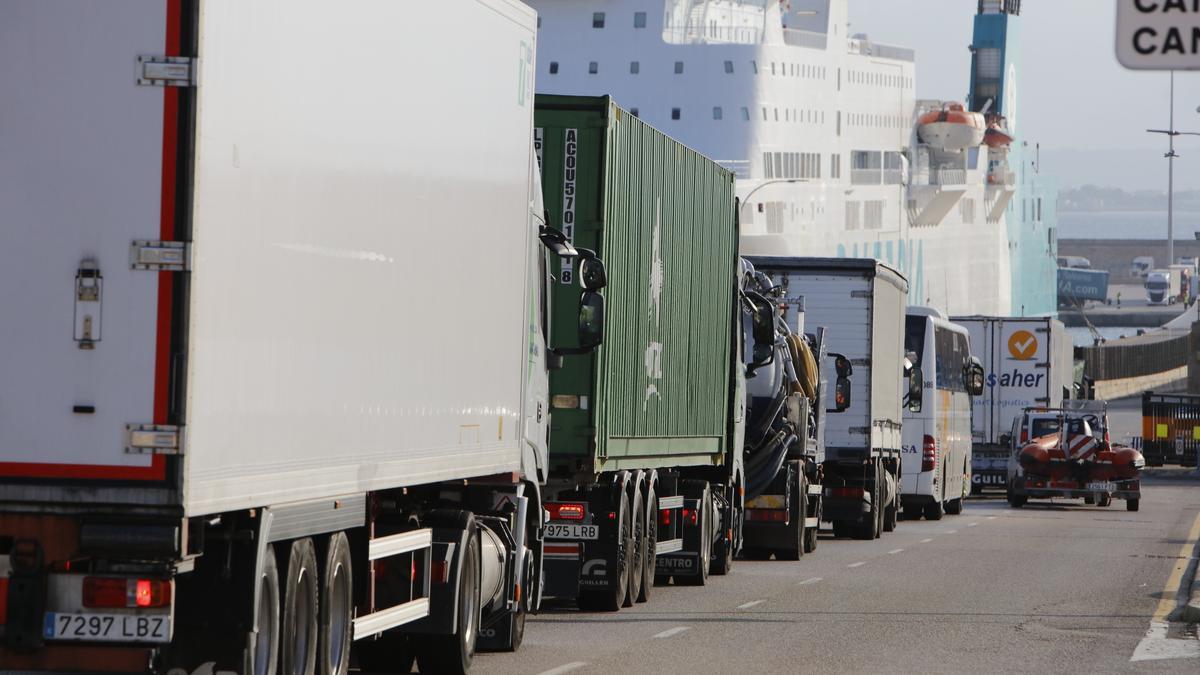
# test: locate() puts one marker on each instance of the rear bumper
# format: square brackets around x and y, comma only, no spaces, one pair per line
[79,658]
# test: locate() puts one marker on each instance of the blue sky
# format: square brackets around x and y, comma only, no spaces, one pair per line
[1087,111]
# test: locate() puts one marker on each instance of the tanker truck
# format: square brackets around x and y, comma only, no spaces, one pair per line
[248,421]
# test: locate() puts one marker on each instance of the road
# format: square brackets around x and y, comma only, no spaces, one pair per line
[1050,587]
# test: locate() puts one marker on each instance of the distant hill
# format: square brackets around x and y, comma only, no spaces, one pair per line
[1093,198]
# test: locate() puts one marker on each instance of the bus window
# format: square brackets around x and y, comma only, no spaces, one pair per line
[914,337]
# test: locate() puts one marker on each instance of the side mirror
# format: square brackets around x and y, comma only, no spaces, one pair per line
[841,365]
[556,241]
[592,276]
[1006,439]
[916,388]
[841,394]
[591,320]
[974,377]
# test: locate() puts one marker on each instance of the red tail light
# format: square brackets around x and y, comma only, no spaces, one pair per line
[566,510]
[664,516]
[1024,437]
[439,571]
[115,592]
[767,515]
[851,492]
[691,516]
[929,454]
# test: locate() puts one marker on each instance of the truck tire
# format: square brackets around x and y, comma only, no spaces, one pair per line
[648,578]
[703,523]
[934,510]
[843,529]
[1103,500]
[453,654]
[810,534]
[868,528]
[798,506]
[336,607]
[1132,503]
[1015,500]
[954,506]
[891,516]
[722,557]
[610,599]
[298,646]
[262,657]
[637,558]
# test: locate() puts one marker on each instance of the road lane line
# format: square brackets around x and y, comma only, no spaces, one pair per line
[1156,645]
[672,631]
[895,551]
[565,668]
[972,524]
[857,564]
[991,517]
[951,531]
[750,604]
[810,581]
[926,541]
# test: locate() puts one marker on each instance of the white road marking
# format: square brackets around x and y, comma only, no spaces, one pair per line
[810,581]
[972,524]
[857,564]
[750,604]
[565,668]
[926,541]
[672,631]
[951,531]
[895,551]
[1156,645]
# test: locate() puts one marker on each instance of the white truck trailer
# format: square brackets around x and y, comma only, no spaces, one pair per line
[1027,362]
[274,373]
[861,303]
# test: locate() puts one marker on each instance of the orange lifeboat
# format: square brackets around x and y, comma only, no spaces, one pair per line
[997,135]
[952,128]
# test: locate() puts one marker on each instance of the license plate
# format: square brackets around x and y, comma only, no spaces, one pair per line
[1102,487]
[107,627]
[572,531]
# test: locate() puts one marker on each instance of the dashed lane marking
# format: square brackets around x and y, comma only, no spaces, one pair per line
[895,551]
[810,581]
[926,541]
[857,564]
[972,524]
[565,668]
[672,631]
[750,604]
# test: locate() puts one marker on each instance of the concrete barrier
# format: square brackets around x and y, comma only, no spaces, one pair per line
[1169,380]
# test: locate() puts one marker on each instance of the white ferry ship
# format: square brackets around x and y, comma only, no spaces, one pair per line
[827,138]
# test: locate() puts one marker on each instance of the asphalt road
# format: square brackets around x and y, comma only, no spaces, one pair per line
[1051,587]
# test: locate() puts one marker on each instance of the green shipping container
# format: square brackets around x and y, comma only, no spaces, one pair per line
[661,216]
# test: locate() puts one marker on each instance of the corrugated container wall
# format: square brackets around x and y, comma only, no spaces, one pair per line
[657,391]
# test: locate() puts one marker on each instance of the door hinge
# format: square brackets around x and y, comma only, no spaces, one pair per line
[153,439]
[160,256]
[166,71]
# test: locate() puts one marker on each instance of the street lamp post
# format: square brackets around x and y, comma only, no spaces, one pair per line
[746,199]
[1171,133]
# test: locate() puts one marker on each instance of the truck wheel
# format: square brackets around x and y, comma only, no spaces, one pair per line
[843,529]
[453,653]
[700,578]
[1132,504]
[637,558]
[797,506]
[1089,499]
[1015,500]
[651,557]
[810,535]
[755,553]
[391,652]
[872,522]
[262,658]
[611,598]
[336,608]
[299,644]
[934,510]
[723,548]
[891,516]
[1103,500]
[954,506]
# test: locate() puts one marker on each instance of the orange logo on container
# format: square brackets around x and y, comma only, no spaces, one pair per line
[1022,345]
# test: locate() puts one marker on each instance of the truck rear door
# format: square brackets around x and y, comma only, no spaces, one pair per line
[89,140]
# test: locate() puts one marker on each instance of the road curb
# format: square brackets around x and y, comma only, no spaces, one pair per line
[1190,612]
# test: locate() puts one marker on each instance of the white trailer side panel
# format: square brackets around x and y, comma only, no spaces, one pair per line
[889,307]
[81,177]
[359,304]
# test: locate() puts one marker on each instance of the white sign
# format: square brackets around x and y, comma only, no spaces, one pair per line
[1158,34]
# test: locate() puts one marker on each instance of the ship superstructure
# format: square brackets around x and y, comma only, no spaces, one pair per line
[820,127]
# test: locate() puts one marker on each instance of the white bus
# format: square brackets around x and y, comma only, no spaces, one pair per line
[936,459]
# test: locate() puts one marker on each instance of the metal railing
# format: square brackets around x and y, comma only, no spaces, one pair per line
[805,38]
[948,177]
[698,33]
[1006,178]
[893,176]
[1117,362]
[868,48]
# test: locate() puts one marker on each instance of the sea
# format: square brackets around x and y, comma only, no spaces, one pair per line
[1126,224]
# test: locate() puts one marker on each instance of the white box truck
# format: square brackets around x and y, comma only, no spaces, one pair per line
[274,372]
[861,303]
[1027,362]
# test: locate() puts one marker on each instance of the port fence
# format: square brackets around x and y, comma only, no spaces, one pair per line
[1119,362]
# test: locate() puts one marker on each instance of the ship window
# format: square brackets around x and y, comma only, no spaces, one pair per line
[679,67]
[593,67]
[777,114]
[764,113]
[598,20]
[718,113]
[767,173]
[787,115]
[674,113]
[754,66]
[729,67]
[634,112]
[779,164]
[635,67]
[745,114]
[539,22]
[554,67]
[1039,209]
[639,19]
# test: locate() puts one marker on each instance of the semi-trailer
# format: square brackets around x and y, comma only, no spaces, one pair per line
[645,474]
[1027,362]
[861,304]
[275,370]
